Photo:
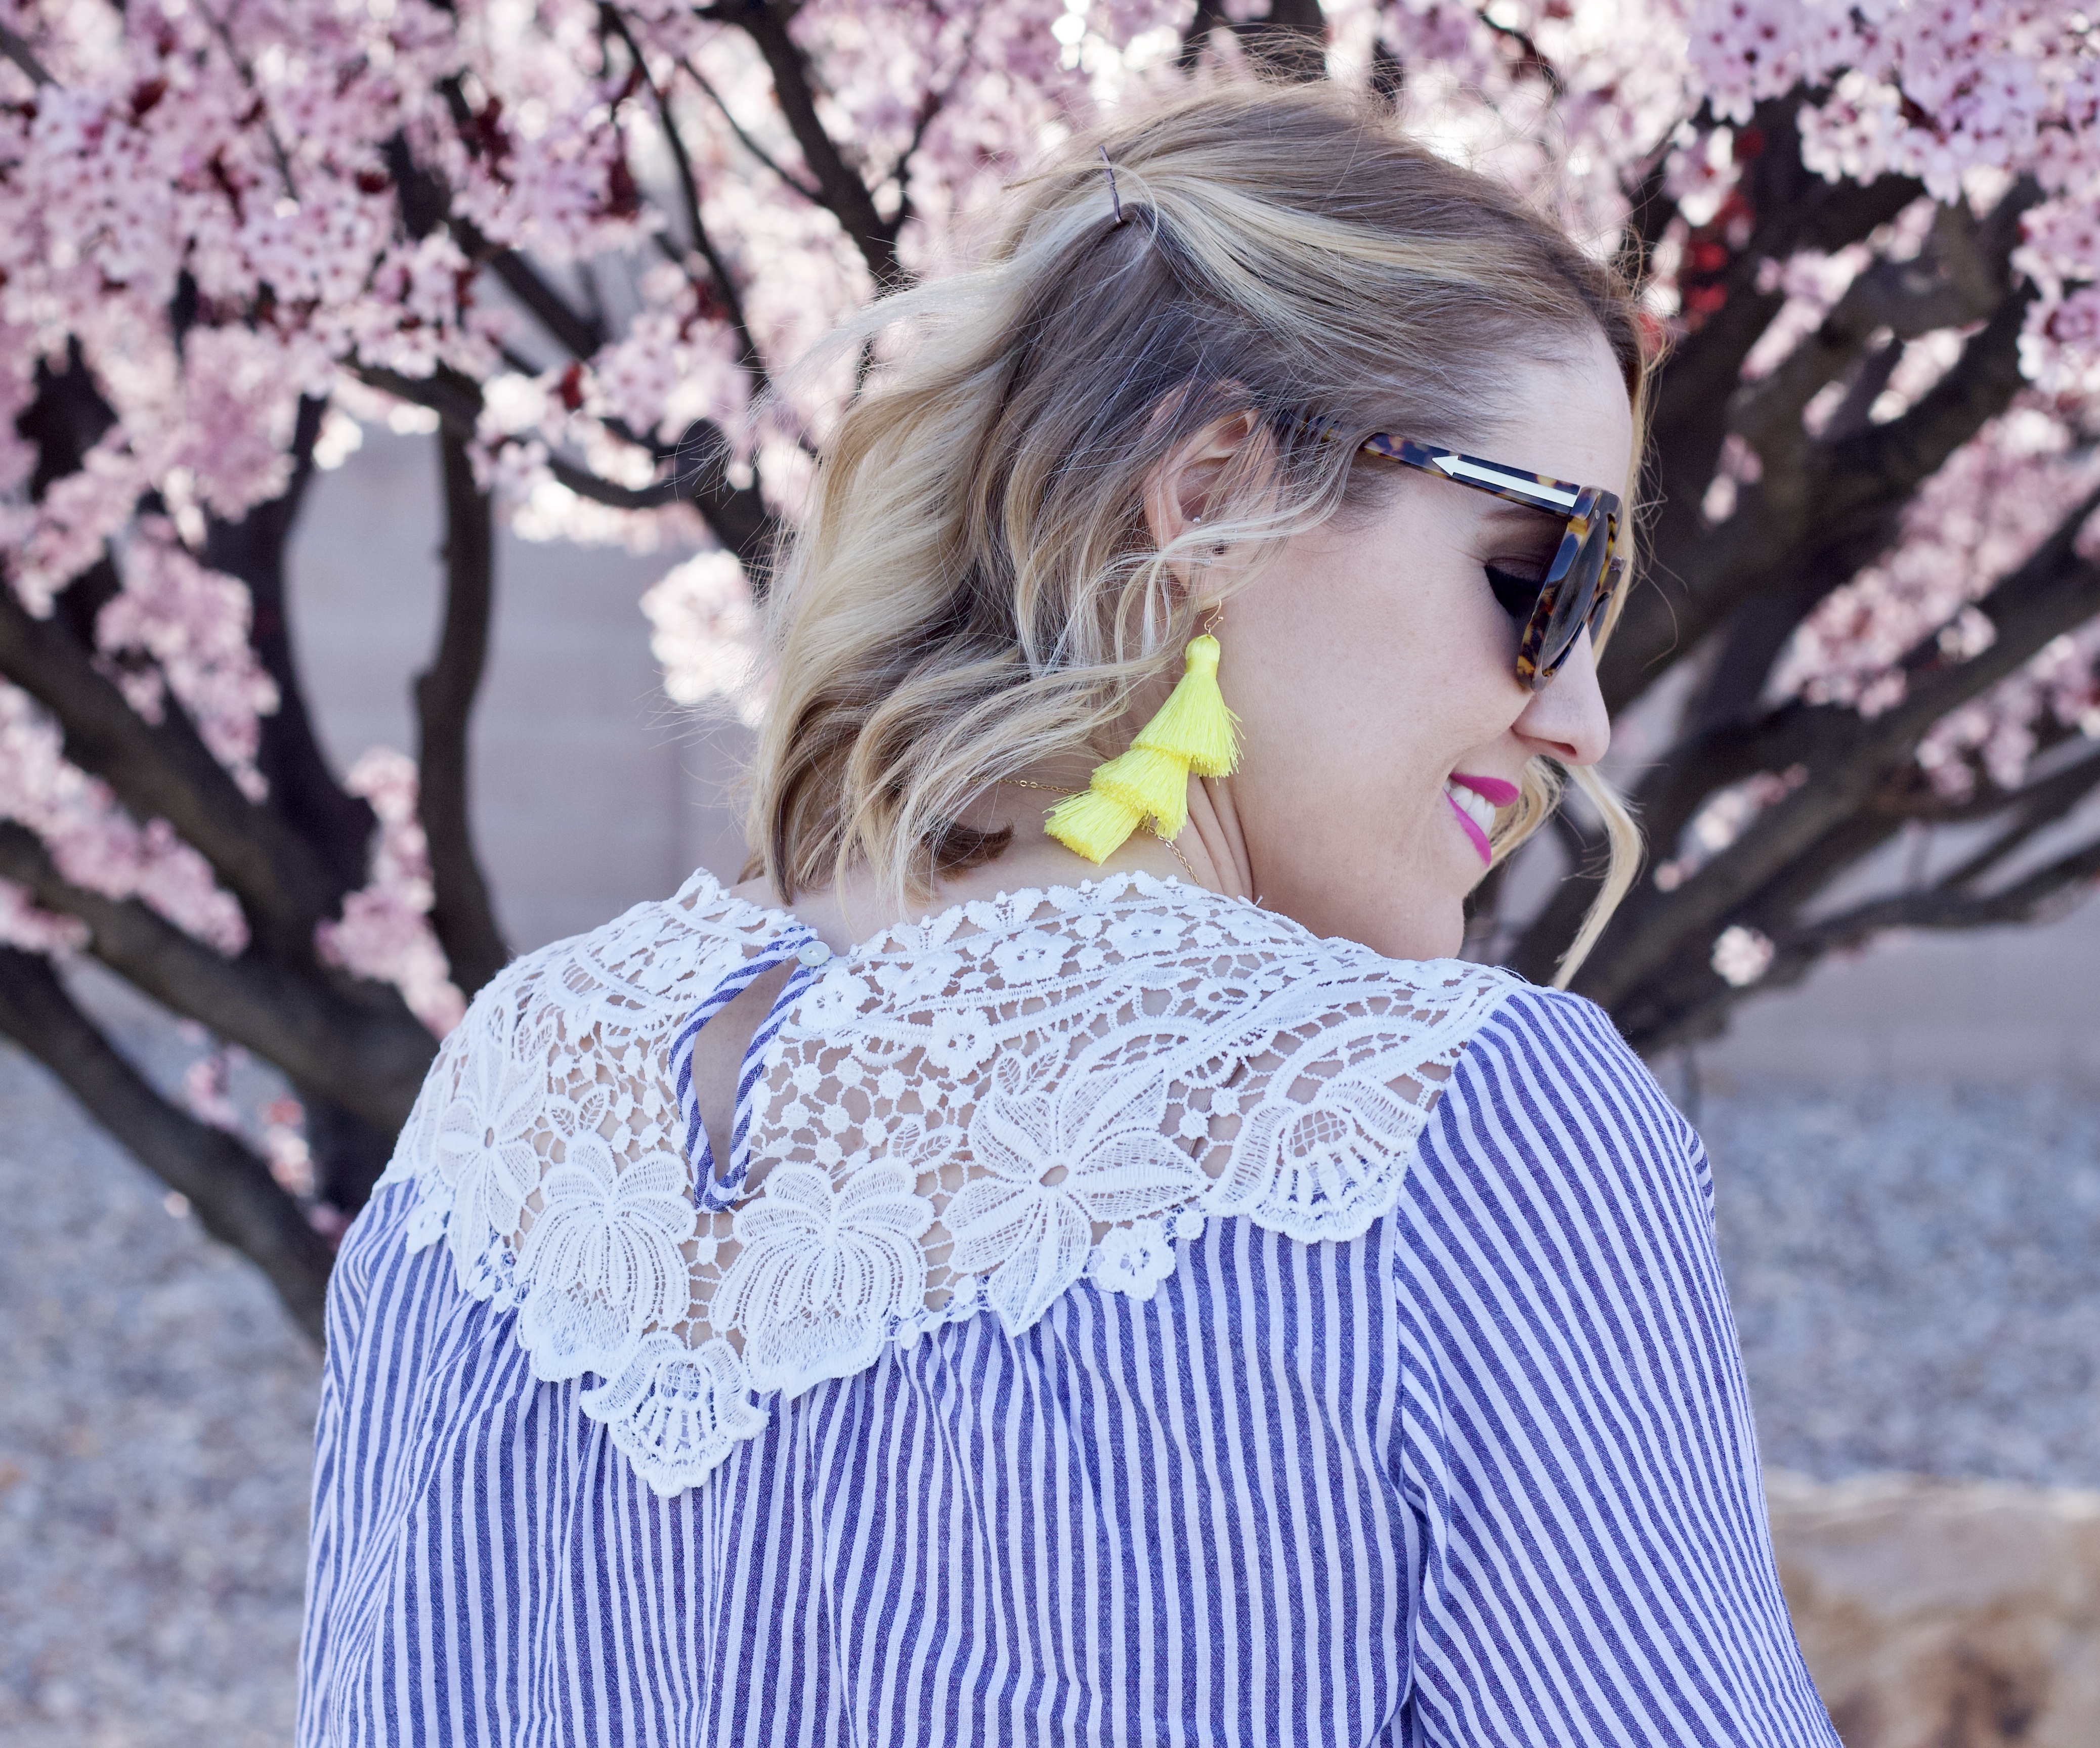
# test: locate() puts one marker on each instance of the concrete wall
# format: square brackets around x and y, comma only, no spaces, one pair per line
[1996,1005]
[590,790]
[593,793]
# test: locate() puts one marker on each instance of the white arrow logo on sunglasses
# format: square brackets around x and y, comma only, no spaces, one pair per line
[1459,467]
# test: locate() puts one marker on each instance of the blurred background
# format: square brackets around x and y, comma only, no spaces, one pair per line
[460,384]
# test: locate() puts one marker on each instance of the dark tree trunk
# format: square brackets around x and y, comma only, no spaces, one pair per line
[303,788]
[461,911]
[234,1195]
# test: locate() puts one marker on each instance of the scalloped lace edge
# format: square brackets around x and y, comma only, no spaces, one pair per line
[678,1412]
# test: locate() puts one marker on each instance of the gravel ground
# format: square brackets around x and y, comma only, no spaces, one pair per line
[1916,1276]
[156,1439]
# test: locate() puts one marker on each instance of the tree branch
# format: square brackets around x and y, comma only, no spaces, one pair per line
[1209,14]
[166,770]
[930,107]
[456,399]
[461,911]
[738,516]
[1530,59]
[1290,40]
[725,285]
[2039,804]
[1961,278]
[18,50]
[350,1155]
[1687,999]
[67,418]
[1702,763]
[1951,906]
[2051,592]
[1876,370]
[841,190]
[1834,511]
[578,334]
[427,203]
[302,790]
[1905,299]
[219,21]
[814,196]
[1796,733]
[1691,1001]
[235,1197]
[355,1042]
[1788,207]
[1885,463]
[1650,209]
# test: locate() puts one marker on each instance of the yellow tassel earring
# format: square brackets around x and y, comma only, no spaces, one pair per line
[1192,733]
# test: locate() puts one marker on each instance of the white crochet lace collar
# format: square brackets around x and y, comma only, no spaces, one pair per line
[963,1117]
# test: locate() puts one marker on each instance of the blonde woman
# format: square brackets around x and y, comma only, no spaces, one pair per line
[954,1288]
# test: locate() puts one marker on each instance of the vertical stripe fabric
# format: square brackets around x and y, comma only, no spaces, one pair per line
[1483,1477]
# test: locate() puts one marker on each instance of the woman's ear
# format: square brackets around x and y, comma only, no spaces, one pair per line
[1178,490]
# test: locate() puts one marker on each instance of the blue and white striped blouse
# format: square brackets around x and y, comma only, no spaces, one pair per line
[1476,1467]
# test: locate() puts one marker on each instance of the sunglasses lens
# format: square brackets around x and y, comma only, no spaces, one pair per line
[1573,596]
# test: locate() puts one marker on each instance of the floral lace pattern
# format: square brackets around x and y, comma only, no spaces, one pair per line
[964,1116]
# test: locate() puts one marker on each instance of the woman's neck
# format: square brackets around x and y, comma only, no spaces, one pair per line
[858,907]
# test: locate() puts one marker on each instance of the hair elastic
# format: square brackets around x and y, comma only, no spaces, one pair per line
[1115,198]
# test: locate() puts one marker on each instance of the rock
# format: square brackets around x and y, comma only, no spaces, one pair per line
[1945,1614]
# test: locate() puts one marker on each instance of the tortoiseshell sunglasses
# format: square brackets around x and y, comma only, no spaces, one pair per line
[1579,585]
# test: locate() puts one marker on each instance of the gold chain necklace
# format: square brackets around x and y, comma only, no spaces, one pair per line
[1022,783]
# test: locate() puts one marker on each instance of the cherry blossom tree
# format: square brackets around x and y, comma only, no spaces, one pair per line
[580,241]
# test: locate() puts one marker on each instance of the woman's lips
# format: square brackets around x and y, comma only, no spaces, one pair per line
[1492,790]
[1473,801]
[1480,838]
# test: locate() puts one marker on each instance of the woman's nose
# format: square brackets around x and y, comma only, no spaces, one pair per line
[1568,721]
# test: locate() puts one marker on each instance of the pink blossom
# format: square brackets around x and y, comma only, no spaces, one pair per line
[23,924]
[704,633]
[1741,955]
[206,1090]
[284,1145]
[192,625]
[250,148]
[385,930]
[94,842]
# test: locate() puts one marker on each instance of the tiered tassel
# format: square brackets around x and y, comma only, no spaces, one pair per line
[1193,731]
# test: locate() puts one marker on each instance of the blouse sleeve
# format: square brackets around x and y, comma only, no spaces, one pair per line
[1575,1446]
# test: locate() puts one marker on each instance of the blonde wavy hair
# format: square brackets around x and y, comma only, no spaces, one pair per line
[973,589]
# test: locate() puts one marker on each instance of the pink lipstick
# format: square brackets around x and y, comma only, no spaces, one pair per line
[1473,800]
[1492,790]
